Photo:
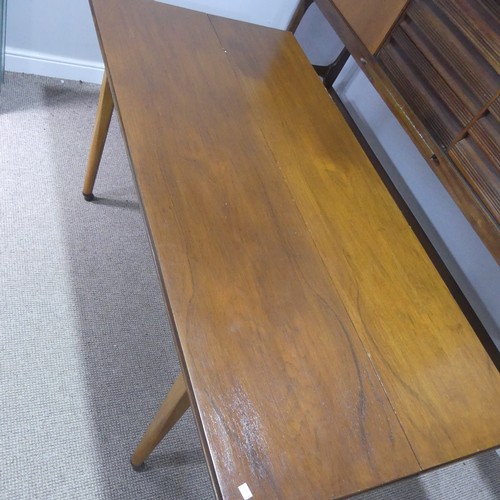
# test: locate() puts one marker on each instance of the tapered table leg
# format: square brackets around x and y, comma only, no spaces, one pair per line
[103,118]
[175,405]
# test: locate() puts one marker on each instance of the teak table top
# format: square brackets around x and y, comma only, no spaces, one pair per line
[322,352]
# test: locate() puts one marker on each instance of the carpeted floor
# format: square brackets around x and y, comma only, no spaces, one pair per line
[86,353]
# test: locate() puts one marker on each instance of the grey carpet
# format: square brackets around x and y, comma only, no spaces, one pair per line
[86,352]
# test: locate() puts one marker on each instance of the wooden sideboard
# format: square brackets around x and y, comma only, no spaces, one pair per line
[436,64]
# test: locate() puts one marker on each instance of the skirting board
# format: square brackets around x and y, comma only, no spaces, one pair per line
[36,63]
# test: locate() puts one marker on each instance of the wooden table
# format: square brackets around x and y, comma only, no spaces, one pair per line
[321,352]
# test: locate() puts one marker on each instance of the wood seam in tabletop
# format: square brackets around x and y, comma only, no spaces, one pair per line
[314,242]
[310,235]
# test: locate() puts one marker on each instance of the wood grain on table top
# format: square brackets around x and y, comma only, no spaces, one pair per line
[323,353]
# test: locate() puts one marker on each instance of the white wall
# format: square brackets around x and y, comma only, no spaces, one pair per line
[471,264]
[52,38]
[57,38]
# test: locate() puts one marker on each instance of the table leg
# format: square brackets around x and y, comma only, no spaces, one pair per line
[175,405]
[103,118]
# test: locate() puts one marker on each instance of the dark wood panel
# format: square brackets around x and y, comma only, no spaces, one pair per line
[442,65]
[486,134]
[417,91]
[494,109]
[472,69]
[480,171]
[424,71]
[480,22]
[464,82]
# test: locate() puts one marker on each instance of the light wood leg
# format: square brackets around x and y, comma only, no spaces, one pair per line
[175,405]
[103,118]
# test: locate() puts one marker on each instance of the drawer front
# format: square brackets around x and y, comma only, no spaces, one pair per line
[477,156]
[443,57]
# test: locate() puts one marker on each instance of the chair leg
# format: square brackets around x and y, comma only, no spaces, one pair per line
[103,118]
[335,68]
[174,406]
[298,15]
